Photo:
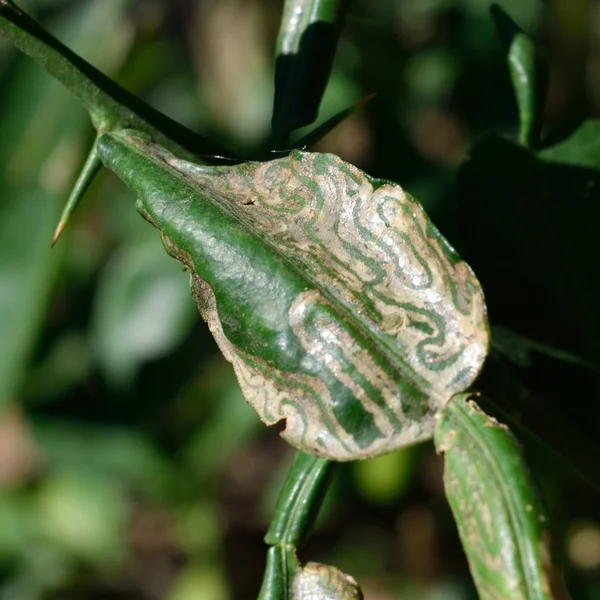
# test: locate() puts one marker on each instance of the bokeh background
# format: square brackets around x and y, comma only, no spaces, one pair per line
[130,466]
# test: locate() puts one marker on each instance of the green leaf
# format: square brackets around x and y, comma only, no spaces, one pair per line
[497,509]
[580,149]
[342,308]
[306,48]
[529,75]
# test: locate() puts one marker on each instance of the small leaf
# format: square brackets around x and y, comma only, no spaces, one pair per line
[497,509]
[529,75]
[342,308]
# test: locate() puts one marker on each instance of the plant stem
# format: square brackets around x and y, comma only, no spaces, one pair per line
[296,511]
[111,107]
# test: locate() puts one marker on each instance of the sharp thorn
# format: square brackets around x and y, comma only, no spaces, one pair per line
[88,172]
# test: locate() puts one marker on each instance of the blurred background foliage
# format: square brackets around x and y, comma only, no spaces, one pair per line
[130,466]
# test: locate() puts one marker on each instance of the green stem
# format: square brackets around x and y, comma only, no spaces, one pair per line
[296,511]
[111,107]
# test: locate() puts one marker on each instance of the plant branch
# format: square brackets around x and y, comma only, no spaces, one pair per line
[110,106]
[297,508]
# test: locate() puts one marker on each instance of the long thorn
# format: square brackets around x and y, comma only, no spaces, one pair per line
[88,172]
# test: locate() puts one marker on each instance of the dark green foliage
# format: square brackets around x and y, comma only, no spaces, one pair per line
[530,232]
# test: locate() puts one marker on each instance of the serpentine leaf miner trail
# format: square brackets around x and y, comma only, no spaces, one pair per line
[342,308]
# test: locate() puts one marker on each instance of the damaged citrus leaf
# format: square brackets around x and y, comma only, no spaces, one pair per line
[496,506]
[316,580]
[342,308]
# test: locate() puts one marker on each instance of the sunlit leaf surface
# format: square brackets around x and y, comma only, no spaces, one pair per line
[342,308]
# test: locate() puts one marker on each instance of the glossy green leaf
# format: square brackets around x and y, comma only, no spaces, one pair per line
[342,308]
[501,522]
[528,72]
[42,143]
[306,48]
